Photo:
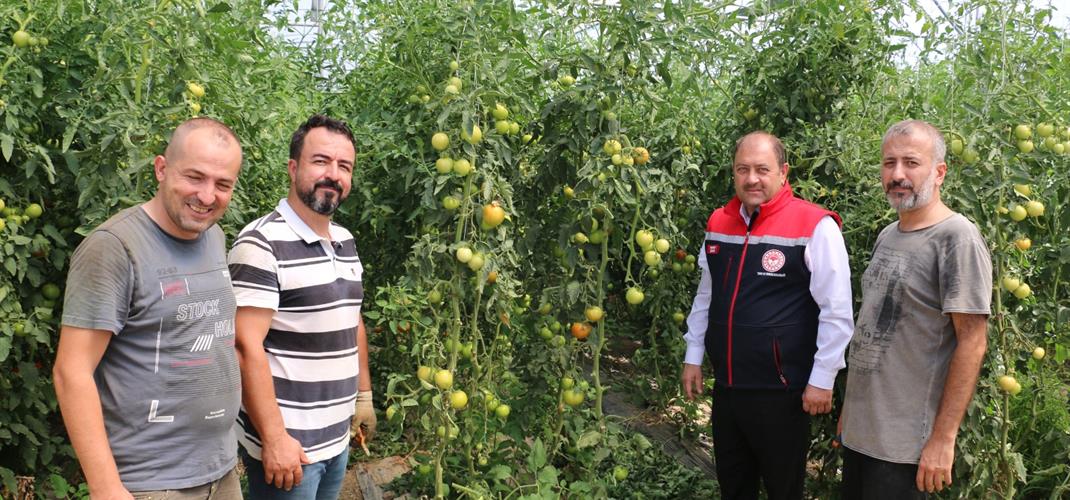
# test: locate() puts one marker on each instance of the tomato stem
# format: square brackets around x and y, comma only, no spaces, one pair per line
[601,342]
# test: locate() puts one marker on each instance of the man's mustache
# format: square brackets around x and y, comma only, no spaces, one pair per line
[327,183]
[904,184]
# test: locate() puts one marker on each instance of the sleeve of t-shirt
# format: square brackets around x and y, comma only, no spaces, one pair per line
[966,278]
[99,284]
[254,272]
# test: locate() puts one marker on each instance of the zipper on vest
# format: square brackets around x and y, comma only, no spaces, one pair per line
[732,305]
[776,359]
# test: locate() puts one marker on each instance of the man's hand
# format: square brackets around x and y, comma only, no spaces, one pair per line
[934,467]
[364,415]
[282,459]
[692,378]
[816,400]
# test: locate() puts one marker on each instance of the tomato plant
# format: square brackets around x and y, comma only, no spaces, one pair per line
[532,187]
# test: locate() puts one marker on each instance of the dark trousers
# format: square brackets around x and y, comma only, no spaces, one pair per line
[760,435]
[868,478]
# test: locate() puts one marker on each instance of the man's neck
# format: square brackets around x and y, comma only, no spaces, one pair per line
[155,210]
[923,217]
[319,223]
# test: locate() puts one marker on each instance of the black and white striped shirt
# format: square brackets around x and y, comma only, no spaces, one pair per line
[314,286]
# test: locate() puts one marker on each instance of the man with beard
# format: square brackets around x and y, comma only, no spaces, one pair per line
[920,335]
[300,338]
[146,375]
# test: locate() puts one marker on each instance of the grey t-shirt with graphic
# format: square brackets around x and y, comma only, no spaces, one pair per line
[169,383]
[904,336]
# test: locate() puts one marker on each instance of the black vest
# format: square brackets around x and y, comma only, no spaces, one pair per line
[762,331]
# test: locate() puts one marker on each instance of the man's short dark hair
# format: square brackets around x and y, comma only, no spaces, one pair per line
[778,147]
[297,141]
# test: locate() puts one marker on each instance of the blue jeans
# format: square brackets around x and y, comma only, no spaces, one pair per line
[321,480]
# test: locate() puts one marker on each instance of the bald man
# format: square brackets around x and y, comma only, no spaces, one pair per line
[146,373]
[772,312]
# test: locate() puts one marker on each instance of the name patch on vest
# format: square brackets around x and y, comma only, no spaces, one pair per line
[713,249]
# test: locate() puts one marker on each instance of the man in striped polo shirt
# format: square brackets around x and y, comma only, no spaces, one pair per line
[300,338]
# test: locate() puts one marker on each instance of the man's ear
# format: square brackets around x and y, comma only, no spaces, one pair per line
[941,172]
[291,167]
[159,164]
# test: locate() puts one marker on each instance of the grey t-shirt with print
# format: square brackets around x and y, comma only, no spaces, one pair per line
[904,336]
[169,383]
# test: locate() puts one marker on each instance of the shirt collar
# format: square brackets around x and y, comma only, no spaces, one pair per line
[296,223]
[743,213]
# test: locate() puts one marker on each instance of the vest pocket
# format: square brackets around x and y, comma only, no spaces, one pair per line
[776,362]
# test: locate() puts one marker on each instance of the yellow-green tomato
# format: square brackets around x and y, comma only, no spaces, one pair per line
[651,258]
[1023,132]
[502,411]
[440,141]
[634,296]
[1034,208]
[1018,213]
[444,379]
[458,400]
[661,245]
[444,165]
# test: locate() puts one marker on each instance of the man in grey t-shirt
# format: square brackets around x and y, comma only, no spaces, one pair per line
[146,373]
[920,337]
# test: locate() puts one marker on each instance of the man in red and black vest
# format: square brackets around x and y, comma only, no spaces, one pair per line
[773,312]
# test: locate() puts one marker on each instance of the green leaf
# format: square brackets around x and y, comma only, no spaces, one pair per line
[7,477]
[641,441]
[60,487]
[537,457]
[68,136]
[588,439]
[5,348]
[548,476]
[1019,466]
[19,429]
[500,472]
[7,144]
[573,290]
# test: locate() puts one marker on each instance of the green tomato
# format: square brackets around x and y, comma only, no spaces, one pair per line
[500,112]
[21,39]
[651,258]
[502,411]
[956,147]
[34,211]
[50,291]
[634,296]
[1023,132]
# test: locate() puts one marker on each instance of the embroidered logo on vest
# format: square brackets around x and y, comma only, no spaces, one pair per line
[713,249]
[773,260]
